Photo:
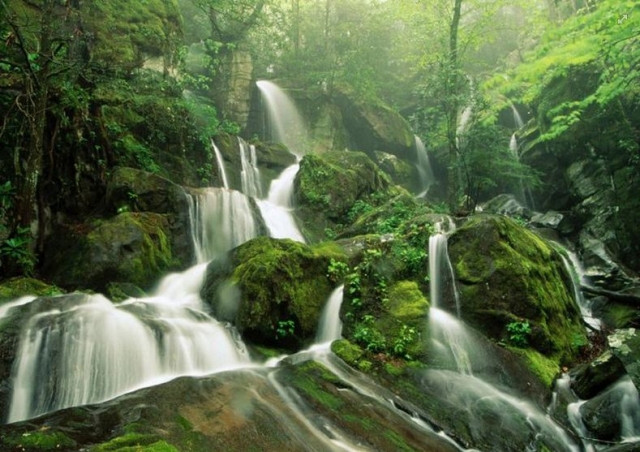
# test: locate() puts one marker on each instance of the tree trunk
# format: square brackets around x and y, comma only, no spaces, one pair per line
[452,93]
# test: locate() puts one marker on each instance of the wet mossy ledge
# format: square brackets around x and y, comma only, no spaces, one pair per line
[273,290]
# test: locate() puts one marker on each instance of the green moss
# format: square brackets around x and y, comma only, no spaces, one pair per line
[135,442]
[283,285]
[39,440]
[545,368]
[618,315]
[305,380]
[347,351]
[508,274]
[19,287]
[407,303]
[184,423]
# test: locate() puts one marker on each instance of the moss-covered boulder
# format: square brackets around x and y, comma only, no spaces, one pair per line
[272,290]
[326,187]
[400,171]
[515,288]
[130,247]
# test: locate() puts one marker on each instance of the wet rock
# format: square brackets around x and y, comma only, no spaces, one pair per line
[592,378]
[327,186]
[507,204]
[625,345]
[400,171]
[14,288]
[372,126]
[550,219]
[130,247]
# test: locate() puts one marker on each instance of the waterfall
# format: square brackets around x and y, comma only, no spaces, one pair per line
[513,146]
[220,220]
[289,129]
[578,278]
[221,169]
[424,167]
[463,125]
[517,119]
[249,174]
[330,327]
[287,126]
[90,350]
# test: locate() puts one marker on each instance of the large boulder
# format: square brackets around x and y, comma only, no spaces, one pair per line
[272,290]
[591,378]
[514,287]
[373,126]
[132,247]
[625,345]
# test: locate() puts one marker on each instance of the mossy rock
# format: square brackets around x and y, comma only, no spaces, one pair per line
[400,171]
[130,247]
[373,126]
[326,187]
[38,440]
[277,288]
[14,288]
[506,274]
[135,190]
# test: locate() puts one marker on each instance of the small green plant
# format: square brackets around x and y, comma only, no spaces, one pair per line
[406,337]
[337,270]
[17,250]
[519,333]
[368,336]
[286,328]
[330,234]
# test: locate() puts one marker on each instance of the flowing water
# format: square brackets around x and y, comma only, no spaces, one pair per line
[250,173]
[423,165]
[330,326]
[220,162]
[456,353]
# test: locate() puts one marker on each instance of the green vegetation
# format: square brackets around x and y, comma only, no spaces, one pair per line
[43,439]
[519,333]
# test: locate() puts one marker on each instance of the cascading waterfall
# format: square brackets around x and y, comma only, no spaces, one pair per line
[221,168]
[88,350]
[220,220]
[330,326]
[457,352]
[513,146]
[578,278]
[288,128]
[250,173]
[424,167]
[517,119]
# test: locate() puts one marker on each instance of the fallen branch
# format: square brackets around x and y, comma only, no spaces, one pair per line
[617,296]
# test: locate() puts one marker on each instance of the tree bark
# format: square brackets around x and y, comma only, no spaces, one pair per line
[452,92]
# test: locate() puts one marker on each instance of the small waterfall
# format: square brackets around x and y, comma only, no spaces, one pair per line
[276,210]
[221,169]
[441,276]
[513,146]
[289,129]
[463,125]
[424,167]
[287,126]
[330,327]
[250,173]
[517,119]
[220,220]
[578,278]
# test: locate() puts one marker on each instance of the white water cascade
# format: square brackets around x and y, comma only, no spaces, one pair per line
[220,220]
[513,146]
[85,349]
[287,128]
[221,168]
[330,326]
[249,173]
[578,278]
[424,167]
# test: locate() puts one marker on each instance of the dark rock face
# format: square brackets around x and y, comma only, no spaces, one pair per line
[375,127]
[592,378]
[625,345]
[597,190]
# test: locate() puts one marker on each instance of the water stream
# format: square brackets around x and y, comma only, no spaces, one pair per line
[423,164]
